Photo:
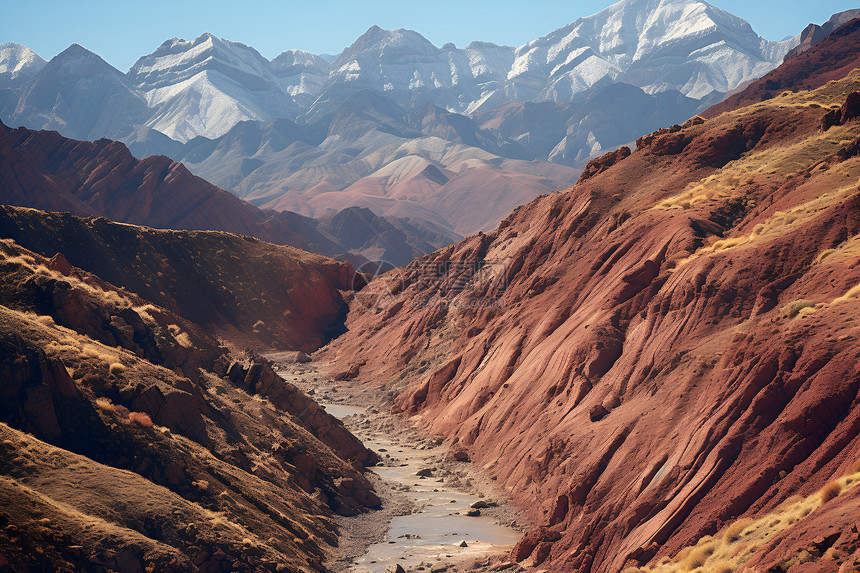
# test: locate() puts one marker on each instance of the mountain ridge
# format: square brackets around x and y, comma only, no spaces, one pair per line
[300,133]
[44,170]
[223,78]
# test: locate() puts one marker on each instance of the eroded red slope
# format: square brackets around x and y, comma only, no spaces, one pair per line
[249,292]
[667,346]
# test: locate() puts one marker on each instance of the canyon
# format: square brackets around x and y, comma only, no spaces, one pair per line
[552,308]
[132,438]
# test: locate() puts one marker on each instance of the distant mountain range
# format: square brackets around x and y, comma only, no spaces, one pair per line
[44,170]
[205,86]
[455,136]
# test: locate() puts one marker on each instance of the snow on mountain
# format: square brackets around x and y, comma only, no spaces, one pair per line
[80,95]
[301,74]
[658,45]
[205,86]
[18,64]
[404,64]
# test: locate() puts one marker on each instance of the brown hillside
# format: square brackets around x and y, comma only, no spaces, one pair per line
[110,461]
[45,170]
[243,289]
[666,347]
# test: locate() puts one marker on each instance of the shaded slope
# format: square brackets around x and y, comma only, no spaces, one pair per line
[80,93]
[602,117]
[665,347]
[155,192]
[246,290]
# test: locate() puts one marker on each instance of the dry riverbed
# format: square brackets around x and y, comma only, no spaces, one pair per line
[437,514]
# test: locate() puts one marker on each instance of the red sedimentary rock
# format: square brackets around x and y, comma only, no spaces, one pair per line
[700,301]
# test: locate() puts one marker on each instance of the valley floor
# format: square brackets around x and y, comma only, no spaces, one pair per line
[422,523]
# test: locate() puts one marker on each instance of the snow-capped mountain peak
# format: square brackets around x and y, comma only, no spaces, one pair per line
[78,60]
[177,60]
[18,62]
[222,82]
[206,85]
[388,46]
[699,47]
[80,94]
[301,74]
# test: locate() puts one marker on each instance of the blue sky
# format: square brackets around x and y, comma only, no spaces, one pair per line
[121,31]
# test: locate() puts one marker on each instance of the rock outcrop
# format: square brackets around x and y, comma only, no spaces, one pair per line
[849,110]
[814,33]
[604,162]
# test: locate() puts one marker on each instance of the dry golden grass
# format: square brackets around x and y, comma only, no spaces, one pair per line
[93,350]
[830,491]
[184,340]
[104,404]
[739,178]
[804,312]
[116,369]
[735,178]
[141,418]
[778,224]
[792,309]
[144,311]
[823,255]
[788,503]
[181,337]
[734,531]
[46,320]
[851,294]
[699,556]
[38,267]
[741,539]
[22,260]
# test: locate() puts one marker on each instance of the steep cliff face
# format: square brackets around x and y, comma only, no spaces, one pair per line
[664,348]
[814,33]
